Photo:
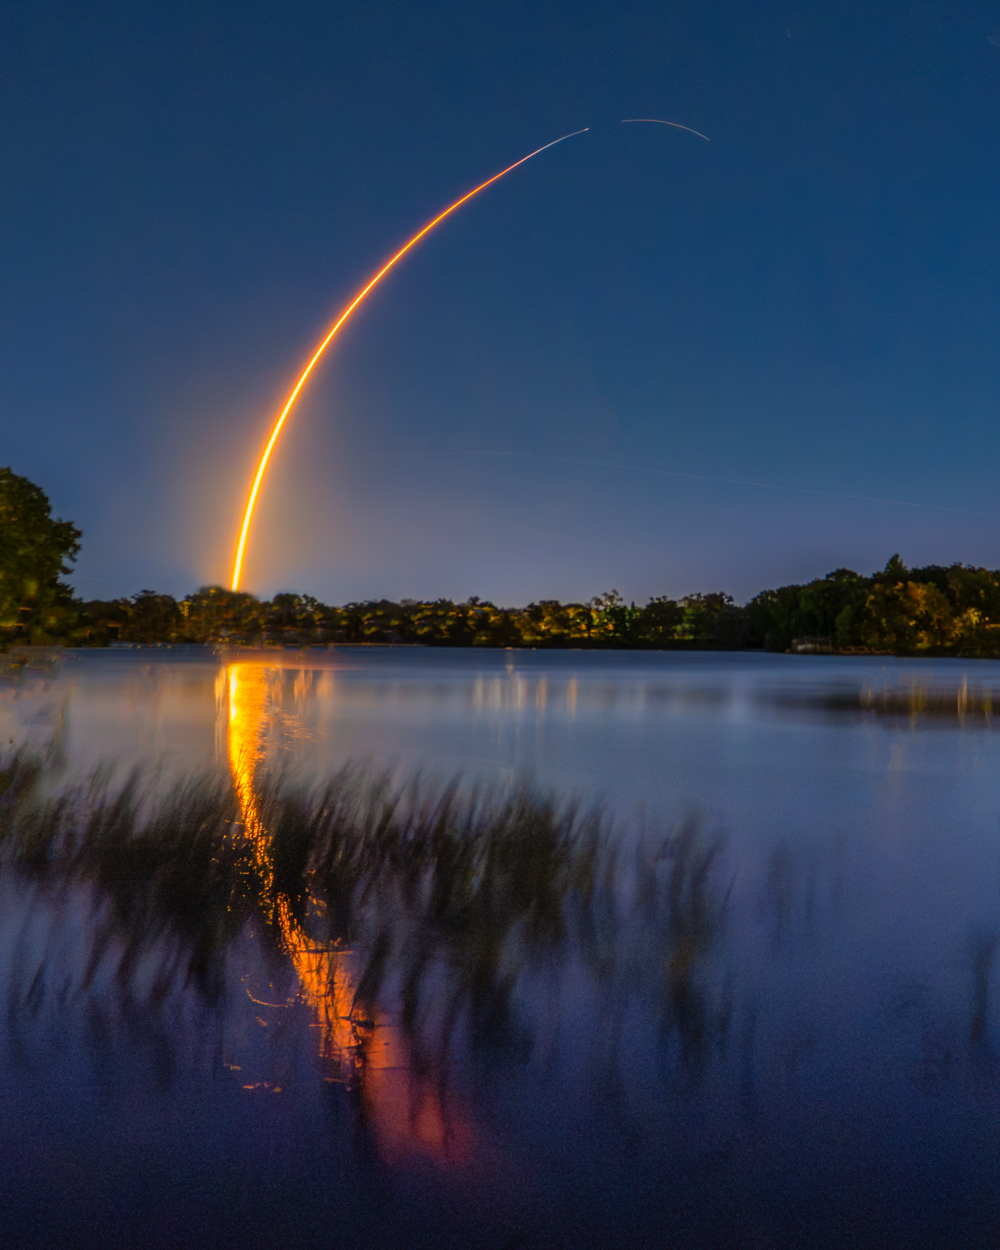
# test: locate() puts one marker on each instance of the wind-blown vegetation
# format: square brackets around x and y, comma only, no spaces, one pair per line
[462,978]
[446,895]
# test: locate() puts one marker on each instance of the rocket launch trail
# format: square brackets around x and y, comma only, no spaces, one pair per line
[658,121]
[332,332]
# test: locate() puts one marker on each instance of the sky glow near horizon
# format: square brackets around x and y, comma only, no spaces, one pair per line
[808,301]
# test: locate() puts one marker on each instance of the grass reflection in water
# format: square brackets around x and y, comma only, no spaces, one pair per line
[381,979]
[363,997]
[415,917]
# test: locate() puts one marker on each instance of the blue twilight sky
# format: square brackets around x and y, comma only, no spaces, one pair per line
[542,400]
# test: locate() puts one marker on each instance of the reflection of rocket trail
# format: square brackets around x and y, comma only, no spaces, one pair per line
[406,1108]
[660,122]
[340,321]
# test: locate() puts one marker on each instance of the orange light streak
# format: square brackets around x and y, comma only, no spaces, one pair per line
[289,403]
[407,1108]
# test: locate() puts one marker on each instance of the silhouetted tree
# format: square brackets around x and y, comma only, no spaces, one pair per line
[35,549]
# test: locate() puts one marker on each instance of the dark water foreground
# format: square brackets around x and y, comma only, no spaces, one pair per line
[430,1017]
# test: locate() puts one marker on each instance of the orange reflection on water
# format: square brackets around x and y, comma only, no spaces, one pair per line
[247,690]
[406,1110]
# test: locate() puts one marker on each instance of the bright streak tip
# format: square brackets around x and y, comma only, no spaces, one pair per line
[331,333]
[658,121]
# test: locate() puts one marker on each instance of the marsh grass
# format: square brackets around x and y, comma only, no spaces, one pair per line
[448,896]
[559,993]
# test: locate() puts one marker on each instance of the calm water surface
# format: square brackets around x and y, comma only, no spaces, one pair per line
[766,1017]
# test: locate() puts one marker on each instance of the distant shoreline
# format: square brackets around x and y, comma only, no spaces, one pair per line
[932,611]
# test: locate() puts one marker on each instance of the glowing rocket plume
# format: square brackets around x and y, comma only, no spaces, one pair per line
[340,321]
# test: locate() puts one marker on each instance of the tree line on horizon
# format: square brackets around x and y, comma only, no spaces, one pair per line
[933,610]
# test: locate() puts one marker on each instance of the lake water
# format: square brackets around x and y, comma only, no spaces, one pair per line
[756,1009]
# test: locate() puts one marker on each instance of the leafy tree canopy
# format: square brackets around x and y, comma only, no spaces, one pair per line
[35,549]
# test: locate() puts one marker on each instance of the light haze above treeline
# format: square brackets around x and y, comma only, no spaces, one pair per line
[934,610]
